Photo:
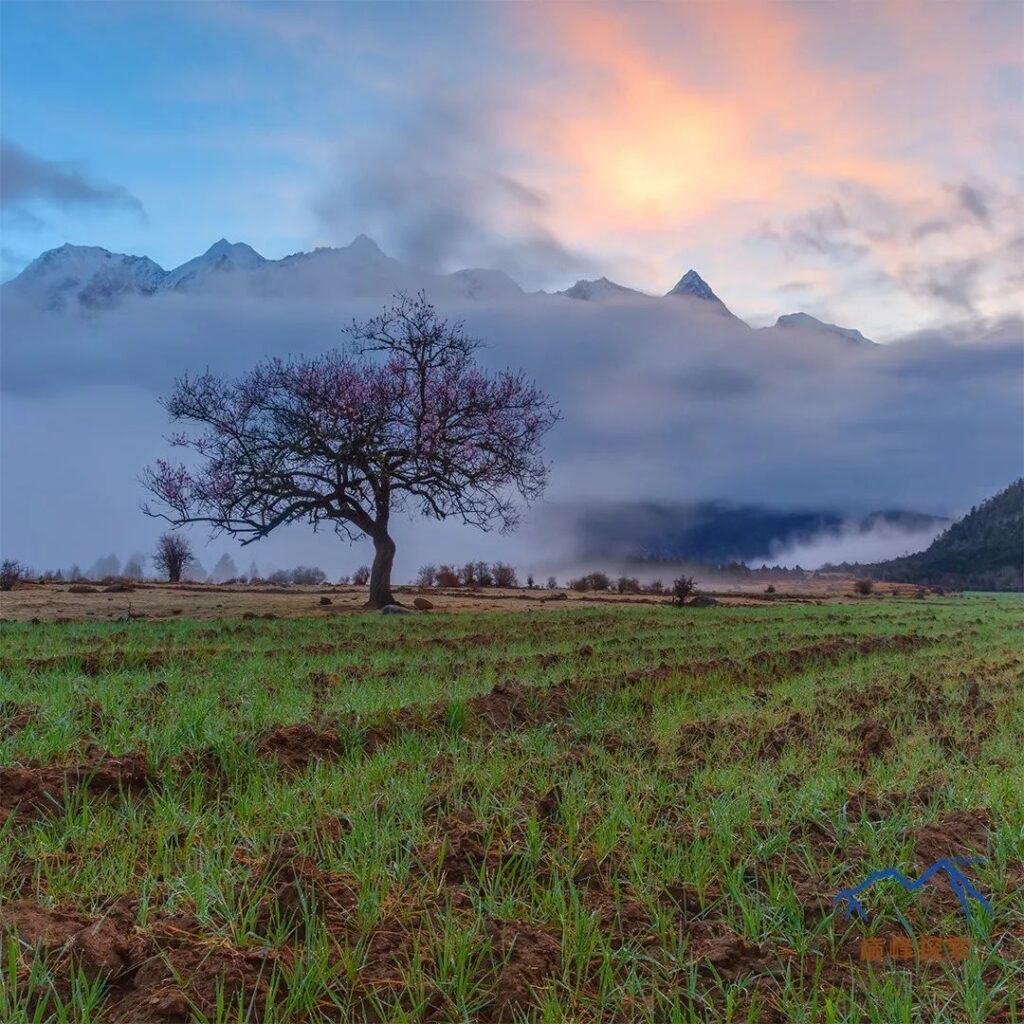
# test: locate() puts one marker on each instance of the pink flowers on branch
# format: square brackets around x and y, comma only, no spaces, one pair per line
[404,419]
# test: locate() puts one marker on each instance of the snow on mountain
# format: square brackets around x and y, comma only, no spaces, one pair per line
[221,257]
[599,291]
[483,284]
[86,275]
[691,283]
[88,279]
[806,322]
[360,269]
[692,286]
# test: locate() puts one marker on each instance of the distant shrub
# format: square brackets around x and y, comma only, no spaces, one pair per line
[682,588]
[344,581]
[655,587]
[361,576]
[864,586]
[529,582]
[770,589]
[628,585]
[280,578]
[447,577]
[552,583]
[10,573]
[504,575]
[308,576]
[426,576]
[592,581]
[483,575]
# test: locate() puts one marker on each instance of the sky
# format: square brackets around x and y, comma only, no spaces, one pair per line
[861,162]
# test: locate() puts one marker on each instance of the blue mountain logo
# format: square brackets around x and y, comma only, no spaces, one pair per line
[958,881]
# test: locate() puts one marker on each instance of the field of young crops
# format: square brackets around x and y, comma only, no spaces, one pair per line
[610,814]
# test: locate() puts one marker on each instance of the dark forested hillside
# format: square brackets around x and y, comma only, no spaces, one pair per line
[982,551]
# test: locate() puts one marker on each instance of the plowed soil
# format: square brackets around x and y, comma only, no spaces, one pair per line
[603,814]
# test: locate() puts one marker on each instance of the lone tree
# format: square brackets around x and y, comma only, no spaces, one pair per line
[173,553]
[403,418]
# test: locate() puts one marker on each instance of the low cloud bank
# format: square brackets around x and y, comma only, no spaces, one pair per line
[663,400]
[854,544]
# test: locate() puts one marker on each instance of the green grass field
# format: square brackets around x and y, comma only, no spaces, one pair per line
[631,814]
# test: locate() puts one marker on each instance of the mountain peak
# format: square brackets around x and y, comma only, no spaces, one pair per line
[236,250]
[691,283]
[692,286]
[69,250]
[364,245]
[806,322]
[602,288]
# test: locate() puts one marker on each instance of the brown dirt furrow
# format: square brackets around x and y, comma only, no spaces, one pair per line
[527,958]
[31,789]
[153,977]
[15,717]
[93,663]
[512,706]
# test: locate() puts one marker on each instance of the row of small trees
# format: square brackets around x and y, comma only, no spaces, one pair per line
[472,574]
[601,581]
[682,587]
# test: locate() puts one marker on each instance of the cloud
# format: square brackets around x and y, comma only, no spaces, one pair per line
[974,202]
[946,246]
[953,281]
[824,230]
[661,402]
[853,543]
[26,179]
[436,191]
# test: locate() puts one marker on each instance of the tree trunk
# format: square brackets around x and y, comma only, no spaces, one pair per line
[380,574]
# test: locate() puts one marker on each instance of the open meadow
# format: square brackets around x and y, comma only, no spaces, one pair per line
[562,814]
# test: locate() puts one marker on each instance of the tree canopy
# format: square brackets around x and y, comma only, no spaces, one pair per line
[402,419]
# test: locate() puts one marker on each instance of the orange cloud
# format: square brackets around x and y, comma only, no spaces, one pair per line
[661,128]
[645,139]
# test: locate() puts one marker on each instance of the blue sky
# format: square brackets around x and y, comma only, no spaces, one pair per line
[799,156]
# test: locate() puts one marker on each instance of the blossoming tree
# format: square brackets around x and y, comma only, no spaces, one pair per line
[402,420]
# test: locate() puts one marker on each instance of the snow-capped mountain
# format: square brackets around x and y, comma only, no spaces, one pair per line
[221,257]
[85,276]
[483,284]
[806,322]
[600,290]
[90,280]
[692,286]
[691,283]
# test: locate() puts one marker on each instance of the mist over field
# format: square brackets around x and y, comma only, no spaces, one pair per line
[664,400]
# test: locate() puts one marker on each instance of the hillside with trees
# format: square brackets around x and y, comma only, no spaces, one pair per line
[982,551]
